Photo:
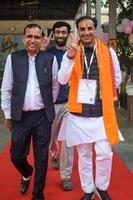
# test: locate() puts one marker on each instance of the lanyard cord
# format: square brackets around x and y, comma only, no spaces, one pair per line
[91,59]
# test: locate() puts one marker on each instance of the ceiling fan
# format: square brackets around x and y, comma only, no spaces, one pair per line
[23,3]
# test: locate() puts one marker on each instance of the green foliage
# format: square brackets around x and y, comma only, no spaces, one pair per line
[124,49]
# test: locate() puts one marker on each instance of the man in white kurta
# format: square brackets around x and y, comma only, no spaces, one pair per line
[83,132]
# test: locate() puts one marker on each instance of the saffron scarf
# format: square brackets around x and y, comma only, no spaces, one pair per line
[107,88]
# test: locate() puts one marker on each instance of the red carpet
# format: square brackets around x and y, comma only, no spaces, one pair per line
[120,188]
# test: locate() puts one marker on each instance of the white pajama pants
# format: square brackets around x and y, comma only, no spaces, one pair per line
[67,153]
[66,161]
[103,164]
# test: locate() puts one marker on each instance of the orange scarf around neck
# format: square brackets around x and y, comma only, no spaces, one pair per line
[107,88]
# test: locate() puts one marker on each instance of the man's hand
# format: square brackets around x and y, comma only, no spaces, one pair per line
[72,47]
[71,51]
[8,123]
[45,42]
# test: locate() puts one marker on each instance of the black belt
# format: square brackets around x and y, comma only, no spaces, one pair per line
[34,111]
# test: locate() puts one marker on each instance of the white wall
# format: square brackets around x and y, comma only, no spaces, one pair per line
[16,27]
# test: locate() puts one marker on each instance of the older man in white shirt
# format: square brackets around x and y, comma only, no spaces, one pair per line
[29,89]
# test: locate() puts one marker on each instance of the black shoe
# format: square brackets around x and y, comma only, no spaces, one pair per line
[24,185]
[88,196]
[103,195]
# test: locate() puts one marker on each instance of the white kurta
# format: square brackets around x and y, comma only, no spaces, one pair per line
[79,130]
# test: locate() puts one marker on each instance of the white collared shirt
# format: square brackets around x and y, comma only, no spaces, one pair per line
[33,99]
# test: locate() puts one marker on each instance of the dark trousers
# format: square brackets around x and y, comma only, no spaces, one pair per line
[35,125]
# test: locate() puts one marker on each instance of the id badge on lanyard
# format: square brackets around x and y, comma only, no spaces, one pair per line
[87,91]
[87,87]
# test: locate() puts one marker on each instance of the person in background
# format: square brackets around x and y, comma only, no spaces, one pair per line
[29,88]
[94,75]
[61,32]
[126,79]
